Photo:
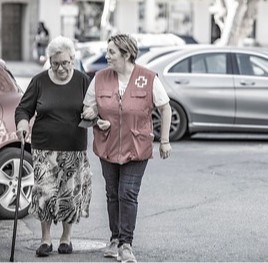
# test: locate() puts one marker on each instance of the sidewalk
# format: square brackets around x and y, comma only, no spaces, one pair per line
[27,241]
[24,68]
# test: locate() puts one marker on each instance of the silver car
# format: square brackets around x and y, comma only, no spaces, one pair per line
[223,89]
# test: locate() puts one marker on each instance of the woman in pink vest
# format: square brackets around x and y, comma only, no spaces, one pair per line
[123,96]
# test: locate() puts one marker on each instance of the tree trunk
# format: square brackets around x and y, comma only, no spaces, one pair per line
[235,19]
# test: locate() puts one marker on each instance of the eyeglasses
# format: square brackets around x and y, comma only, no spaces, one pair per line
[64,64]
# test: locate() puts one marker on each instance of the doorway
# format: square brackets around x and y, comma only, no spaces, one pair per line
[12,31]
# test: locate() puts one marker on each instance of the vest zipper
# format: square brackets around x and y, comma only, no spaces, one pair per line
[120,129]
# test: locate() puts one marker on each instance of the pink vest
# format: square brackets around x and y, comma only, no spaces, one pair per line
[130,137]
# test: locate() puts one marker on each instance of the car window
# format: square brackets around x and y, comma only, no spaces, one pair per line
[203,63]
[209,63]
[7,81]
[142,51]
[101,59]
[252,65]
[181,67]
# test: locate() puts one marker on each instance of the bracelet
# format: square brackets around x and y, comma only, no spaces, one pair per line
[164,142]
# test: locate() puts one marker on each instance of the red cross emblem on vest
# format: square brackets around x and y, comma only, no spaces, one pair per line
[141,81]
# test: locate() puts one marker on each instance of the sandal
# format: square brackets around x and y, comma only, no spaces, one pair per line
[65,248]
[44,250]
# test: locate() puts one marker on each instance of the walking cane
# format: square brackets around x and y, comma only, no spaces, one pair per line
[18,197]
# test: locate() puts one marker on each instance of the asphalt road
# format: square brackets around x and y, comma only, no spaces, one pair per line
[207,203]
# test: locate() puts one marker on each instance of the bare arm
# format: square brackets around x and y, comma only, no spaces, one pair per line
[165,111]
[165,147]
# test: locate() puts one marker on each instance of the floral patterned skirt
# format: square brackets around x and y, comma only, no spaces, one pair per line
[62,186]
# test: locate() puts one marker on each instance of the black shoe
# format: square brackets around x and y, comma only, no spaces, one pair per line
[65,248]
[44,250]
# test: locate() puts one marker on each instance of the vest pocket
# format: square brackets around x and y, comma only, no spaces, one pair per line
[138,100]
[143,144]
[138,93]
[101,139]
[105,93]
[104,99]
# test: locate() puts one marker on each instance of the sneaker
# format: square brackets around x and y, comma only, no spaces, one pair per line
[111,250]
[125,254]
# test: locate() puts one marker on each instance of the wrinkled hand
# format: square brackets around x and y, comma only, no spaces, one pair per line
[165,150]
[89,113]
[103,124]
[23,126]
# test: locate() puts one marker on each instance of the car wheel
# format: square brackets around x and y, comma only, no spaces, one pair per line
[178,122]
[9,172]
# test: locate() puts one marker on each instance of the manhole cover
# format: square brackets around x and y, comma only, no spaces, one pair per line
[78,244]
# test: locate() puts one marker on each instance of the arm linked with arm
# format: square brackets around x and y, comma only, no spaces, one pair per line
[91,114]
[90,110]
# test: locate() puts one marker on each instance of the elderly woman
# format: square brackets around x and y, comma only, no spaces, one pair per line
[62,177]
[124,95]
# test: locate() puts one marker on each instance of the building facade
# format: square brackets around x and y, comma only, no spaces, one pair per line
[83,20]
[18,26]
[183,17]
[18,20]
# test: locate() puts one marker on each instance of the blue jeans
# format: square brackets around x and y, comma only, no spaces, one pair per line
[122,188]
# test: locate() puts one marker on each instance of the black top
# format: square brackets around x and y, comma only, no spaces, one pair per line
[58,112]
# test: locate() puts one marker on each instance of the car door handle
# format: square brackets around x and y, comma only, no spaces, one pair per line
[247,83]
[182,81]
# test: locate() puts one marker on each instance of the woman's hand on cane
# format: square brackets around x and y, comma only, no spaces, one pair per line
[23,130]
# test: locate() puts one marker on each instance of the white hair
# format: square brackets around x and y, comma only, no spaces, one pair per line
[61,44]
